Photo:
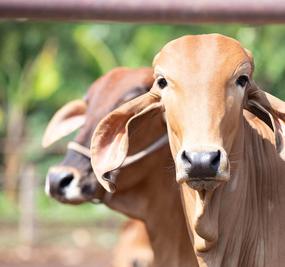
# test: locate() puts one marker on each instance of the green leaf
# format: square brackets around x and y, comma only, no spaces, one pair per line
[95,47]
[45,74]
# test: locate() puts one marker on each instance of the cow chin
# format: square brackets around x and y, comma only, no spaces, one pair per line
[75,201]
[74,197]
[203,184]
[208,184]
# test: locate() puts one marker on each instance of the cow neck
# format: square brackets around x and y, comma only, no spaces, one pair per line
[257,218]
[156,201]
[251,229]
[249,218]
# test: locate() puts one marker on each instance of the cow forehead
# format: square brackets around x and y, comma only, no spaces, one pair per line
[200,55]
[120,79]
[111,88]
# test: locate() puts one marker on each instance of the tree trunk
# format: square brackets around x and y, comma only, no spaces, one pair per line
[13,155]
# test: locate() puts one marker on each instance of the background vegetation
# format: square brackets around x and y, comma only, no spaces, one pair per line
[44,65]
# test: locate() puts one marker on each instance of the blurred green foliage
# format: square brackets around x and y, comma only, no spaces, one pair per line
[44,65]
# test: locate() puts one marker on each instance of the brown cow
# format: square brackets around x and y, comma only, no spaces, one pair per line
[144,189]
[227,141]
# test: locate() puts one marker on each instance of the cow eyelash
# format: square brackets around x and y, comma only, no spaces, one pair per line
[162,83]
[242,80]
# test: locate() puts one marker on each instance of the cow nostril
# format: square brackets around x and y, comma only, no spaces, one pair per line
[66,181]
[186,157]
[215,160]
[87,189]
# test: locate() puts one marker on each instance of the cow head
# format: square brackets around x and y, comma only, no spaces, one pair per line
[73,181]
[204,83]
[203,104]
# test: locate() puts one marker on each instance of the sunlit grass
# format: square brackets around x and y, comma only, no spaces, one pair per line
[50,211]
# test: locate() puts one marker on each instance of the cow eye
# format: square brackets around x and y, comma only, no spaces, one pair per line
[242,80]
[161,83]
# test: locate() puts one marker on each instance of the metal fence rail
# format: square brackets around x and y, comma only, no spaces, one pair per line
[147,11]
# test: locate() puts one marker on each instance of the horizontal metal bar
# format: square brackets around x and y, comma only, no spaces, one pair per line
[146,11]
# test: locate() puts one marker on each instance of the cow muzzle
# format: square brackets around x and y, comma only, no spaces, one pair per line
[66,185]
[202,168]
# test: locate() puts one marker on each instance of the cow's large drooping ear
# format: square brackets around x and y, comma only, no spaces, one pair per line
[269,109]
[66,120]
[110,141]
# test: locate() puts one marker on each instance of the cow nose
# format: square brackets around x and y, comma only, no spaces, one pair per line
[58,182]
[202,164]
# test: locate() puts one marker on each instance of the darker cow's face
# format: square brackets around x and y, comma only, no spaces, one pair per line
[202,82]
[73,181]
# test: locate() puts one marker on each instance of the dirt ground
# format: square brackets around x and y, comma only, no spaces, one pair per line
[54,257]
[59,246]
